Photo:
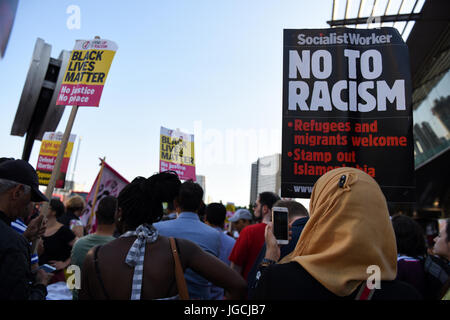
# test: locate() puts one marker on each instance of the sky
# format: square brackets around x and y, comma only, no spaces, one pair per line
[212,68]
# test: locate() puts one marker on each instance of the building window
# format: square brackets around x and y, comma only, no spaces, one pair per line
[432,122]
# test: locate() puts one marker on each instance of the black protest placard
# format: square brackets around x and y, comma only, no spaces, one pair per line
[347,102]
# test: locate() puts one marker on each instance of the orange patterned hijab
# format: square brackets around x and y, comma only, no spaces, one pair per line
[349,230]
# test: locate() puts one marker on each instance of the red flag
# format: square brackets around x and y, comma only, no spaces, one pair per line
[111,183]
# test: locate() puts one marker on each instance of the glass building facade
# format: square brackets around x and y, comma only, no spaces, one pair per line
[266,176]
[432,123]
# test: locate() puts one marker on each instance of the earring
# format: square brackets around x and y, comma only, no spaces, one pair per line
[119,219]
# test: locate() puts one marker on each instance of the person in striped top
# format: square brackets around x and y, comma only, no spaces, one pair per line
[19,189]
[33,231]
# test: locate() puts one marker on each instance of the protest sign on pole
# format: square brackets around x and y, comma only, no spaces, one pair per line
[107,183]
[82,85]
[231,209]
[50,145]
[177,153]
[86,72]
[347,102]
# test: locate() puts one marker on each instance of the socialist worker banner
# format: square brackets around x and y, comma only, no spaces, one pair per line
[347,102]
[86,72]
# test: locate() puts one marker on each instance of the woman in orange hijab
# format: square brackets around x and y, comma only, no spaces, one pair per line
[347,249]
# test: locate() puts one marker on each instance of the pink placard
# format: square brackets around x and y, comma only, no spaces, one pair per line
[184,172]
[80,95]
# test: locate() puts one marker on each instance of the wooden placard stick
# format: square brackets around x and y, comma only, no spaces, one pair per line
[94,202]
[56,169]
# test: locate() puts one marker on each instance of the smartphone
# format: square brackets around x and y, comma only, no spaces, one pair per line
[47,268]
[280,224]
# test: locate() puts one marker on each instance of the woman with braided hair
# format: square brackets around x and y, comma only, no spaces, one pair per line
[139,264]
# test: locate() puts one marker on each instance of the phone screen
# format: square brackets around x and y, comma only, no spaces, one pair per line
[47,268]
[280,225]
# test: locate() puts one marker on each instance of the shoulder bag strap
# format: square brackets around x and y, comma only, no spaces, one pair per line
[364,292]
[179,274]
[435,270]
[97,271]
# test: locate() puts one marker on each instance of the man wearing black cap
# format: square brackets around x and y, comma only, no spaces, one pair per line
[19,188]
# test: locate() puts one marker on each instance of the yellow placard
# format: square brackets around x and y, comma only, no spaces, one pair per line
[89,67]
[50,148]
[176,150]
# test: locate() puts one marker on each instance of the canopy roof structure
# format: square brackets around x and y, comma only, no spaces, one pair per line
[425,26]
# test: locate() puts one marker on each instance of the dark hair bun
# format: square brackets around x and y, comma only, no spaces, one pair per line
[162,187]
[141,200]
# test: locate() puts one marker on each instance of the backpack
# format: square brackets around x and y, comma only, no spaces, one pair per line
[437,273]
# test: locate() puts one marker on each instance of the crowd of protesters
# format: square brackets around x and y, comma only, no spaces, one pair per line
[157,240]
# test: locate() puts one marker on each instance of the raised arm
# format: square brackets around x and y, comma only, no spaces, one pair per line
[213,269]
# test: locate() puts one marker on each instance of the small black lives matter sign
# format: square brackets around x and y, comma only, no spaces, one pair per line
[347,102]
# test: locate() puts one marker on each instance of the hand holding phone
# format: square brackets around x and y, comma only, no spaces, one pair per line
[47,268]
[272,247]
[43,277]
[280,222]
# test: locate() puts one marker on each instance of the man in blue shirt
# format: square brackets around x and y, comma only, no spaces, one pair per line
[188,226]
[215,217]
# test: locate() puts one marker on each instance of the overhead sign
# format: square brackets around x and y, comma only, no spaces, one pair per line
[177,153]
[47,157]
[86,72]
[347,102]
